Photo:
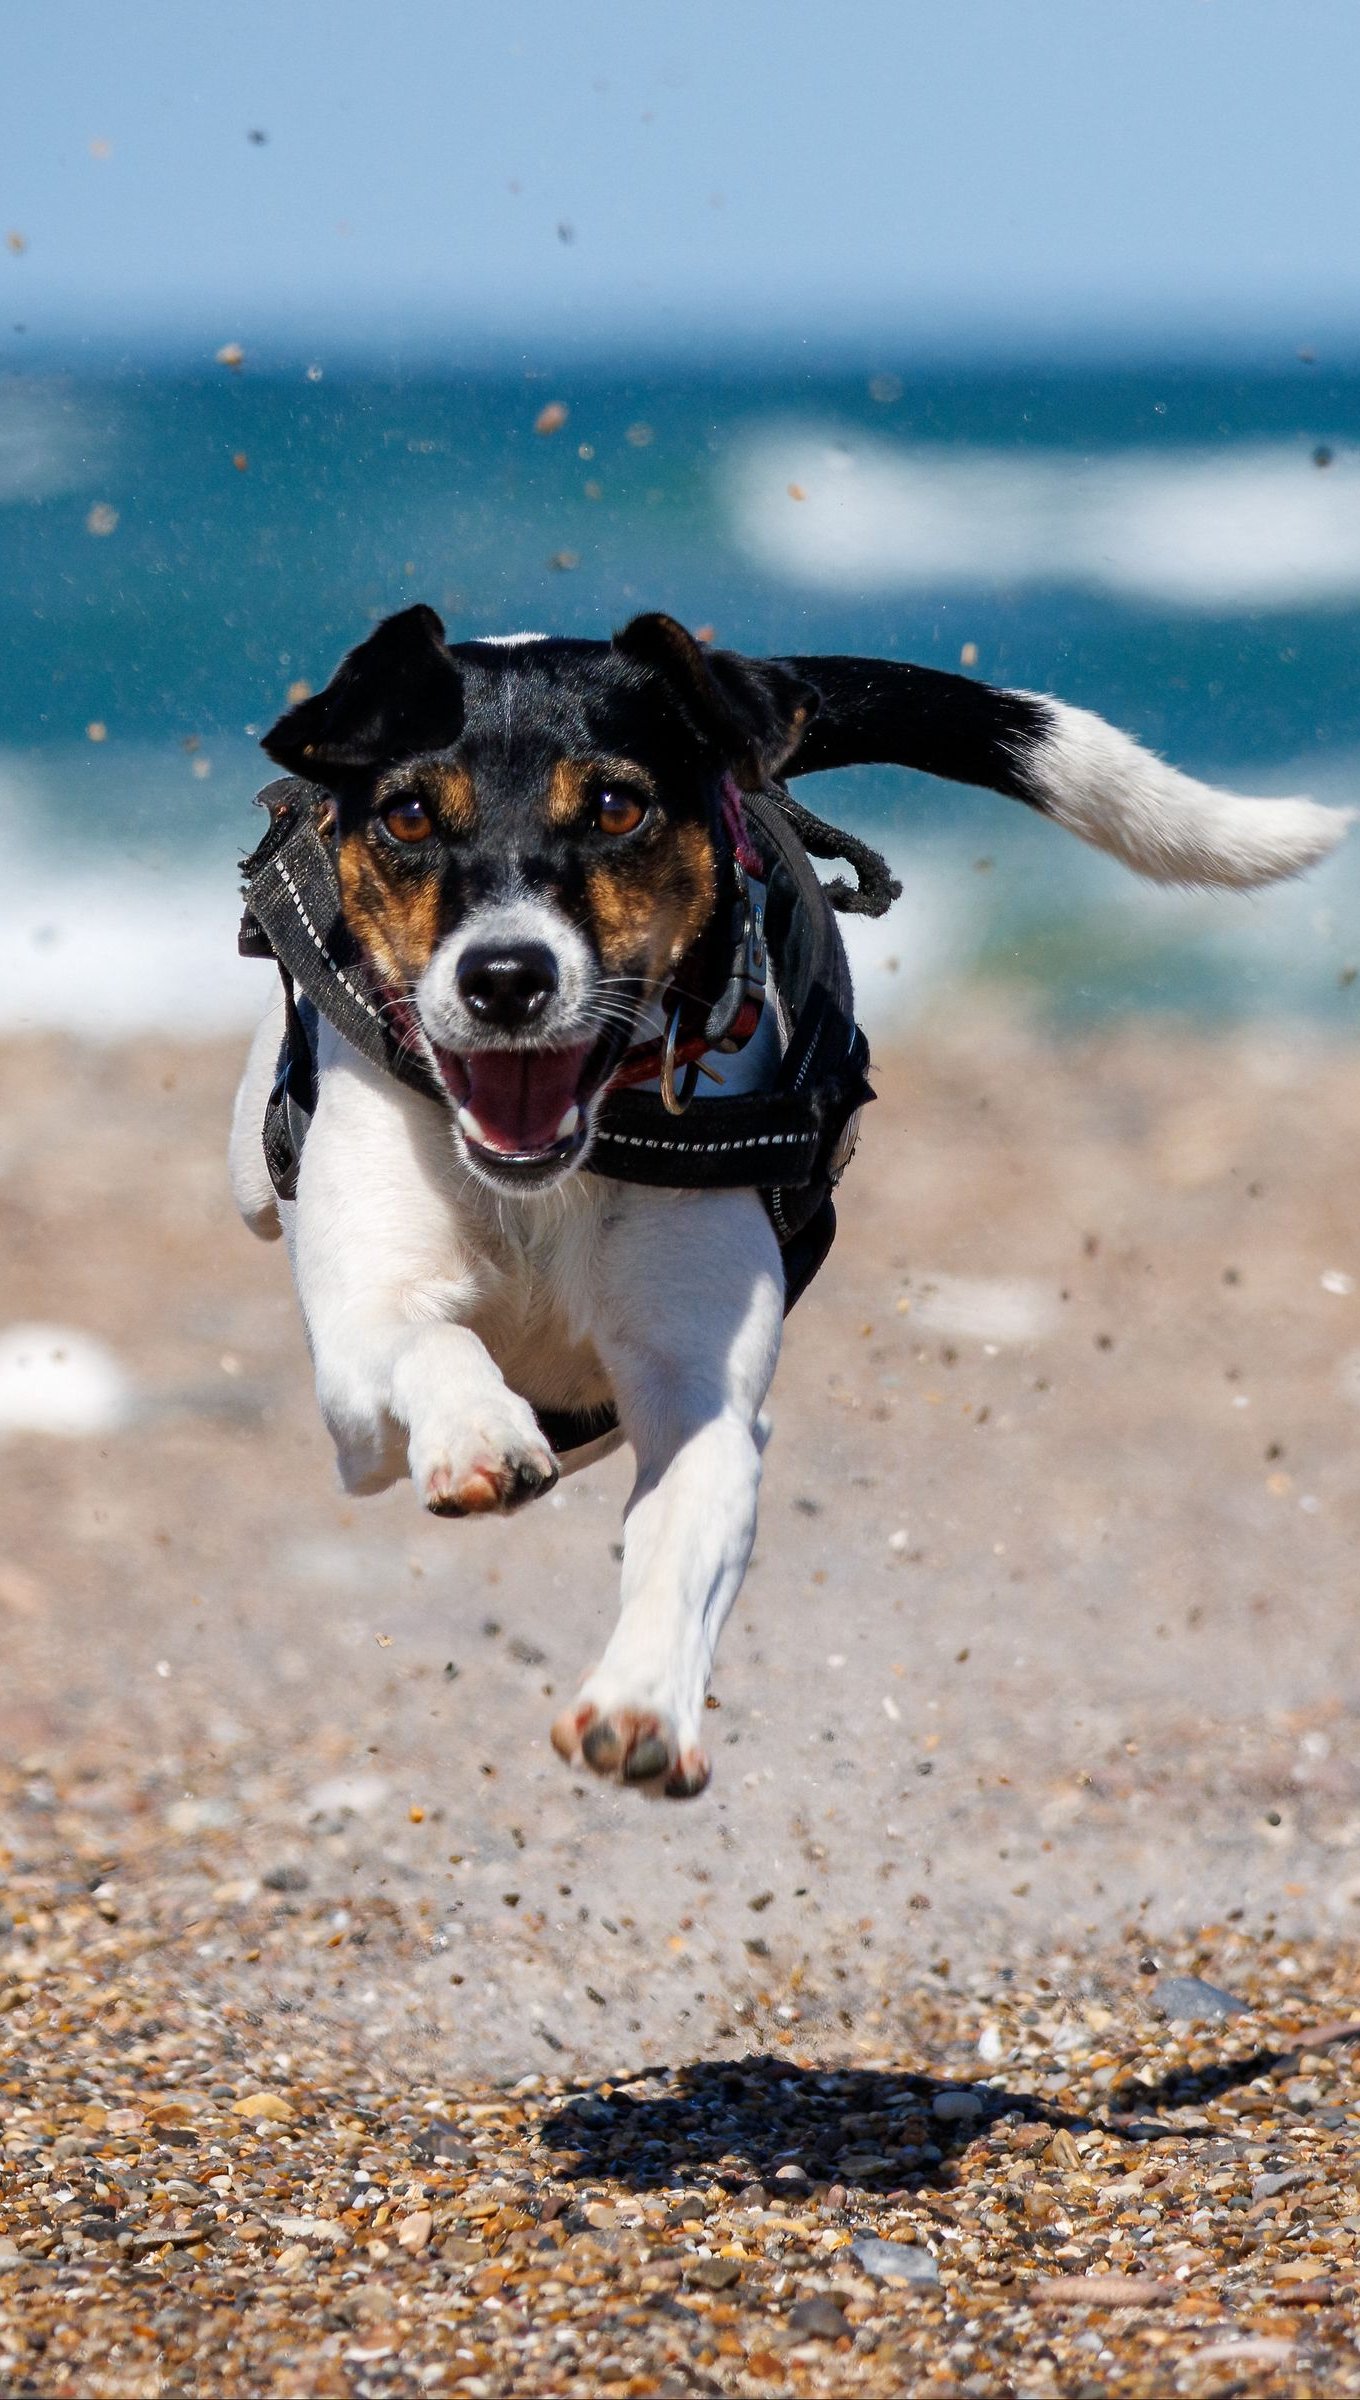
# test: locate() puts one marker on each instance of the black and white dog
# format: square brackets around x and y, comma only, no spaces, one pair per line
[530,836]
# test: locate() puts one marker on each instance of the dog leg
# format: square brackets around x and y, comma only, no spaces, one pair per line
[252,1190]
[694,1319]
[402,1380]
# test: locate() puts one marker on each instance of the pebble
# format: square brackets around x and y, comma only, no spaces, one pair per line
[713,2274]
[1186,1999]
[1104,2291]
[285,1878]
[955,2107]
[819,2319]
[894,2262]
[1248,2350]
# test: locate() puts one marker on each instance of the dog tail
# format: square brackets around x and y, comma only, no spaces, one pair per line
[1062,761]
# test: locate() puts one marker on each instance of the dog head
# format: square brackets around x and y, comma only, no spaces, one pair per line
[529,842]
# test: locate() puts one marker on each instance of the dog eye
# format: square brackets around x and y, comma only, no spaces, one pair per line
[407,821]
[619,811]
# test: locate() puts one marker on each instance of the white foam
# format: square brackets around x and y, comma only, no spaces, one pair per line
[47,444]
[56,1381]
[118,945]
[1248,526]
[103,957]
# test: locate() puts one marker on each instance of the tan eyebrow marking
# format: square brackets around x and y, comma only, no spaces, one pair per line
[646,916]
[572,781]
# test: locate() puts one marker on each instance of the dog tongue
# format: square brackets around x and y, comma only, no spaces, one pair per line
[519,1097]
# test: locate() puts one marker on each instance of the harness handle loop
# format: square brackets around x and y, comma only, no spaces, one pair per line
[875,886]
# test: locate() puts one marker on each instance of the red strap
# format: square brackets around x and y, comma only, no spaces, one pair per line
[734,821]
[643,1065]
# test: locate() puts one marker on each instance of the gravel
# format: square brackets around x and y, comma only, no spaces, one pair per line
[199,2197]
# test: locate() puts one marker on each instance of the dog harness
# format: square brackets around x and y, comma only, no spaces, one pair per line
[791,1141]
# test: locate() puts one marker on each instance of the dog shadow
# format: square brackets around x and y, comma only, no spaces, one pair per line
[737,2122]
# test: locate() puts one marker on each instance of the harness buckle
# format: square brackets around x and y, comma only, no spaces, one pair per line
[752,962]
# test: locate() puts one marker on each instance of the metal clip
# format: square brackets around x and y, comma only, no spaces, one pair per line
[673,1100]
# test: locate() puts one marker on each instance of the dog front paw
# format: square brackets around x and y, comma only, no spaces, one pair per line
[496,1462]
[631,1744]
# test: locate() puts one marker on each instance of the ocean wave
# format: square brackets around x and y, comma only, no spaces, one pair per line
[1260,525]
[111,954]
[122,897]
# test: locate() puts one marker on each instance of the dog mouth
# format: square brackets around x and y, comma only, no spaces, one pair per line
[525,1114]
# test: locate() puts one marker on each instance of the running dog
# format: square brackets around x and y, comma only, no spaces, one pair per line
[558,882]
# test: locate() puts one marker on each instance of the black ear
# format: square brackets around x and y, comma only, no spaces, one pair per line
[398,693]
[751,711]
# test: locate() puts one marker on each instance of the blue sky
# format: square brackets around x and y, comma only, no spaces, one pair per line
[574,172]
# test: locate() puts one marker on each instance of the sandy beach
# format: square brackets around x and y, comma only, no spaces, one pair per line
[1044,1677]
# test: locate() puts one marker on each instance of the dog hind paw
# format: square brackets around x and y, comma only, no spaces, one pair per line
[631,1745]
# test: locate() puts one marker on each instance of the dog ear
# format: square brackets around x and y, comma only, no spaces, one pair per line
[399,692]
[751,710]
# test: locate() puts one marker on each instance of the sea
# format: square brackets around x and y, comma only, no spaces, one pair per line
[184,542]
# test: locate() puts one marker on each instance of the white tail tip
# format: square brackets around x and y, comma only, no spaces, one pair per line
[1104,788]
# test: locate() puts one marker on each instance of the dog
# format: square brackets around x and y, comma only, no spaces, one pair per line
[529,837]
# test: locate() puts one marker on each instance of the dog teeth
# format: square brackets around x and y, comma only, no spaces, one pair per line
[472,1126]
[571,1118]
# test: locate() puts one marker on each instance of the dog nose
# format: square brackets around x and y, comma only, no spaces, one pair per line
[507,986]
